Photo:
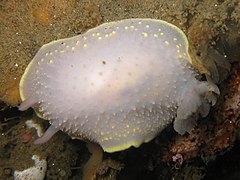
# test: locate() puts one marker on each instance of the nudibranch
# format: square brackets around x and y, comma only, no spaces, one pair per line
[118,84]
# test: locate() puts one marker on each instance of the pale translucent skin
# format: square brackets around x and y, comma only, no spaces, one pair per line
[118,84]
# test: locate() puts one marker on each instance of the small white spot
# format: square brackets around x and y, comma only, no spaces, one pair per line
[73,48]
[174,39]
[126,27]
[161,33]
[85,45]
[147,26]
[166,42]
[139,22]
[145,34]
[100,38]
[105,139]
[155,35]
[134,108]
[98,34]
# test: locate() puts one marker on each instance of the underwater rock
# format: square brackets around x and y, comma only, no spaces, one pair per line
[36,172]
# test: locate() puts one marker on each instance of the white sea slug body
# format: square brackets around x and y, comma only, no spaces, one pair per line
[118,84]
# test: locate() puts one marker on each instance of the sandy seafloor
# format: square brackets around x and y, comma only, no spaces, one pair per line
[210,152]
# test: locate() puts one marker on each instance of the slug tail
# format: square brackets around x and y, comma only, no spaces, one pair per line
[27,104]
[47,135]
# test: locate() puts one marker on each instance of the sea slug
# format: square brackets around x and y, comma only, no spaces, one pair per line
[118,84]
